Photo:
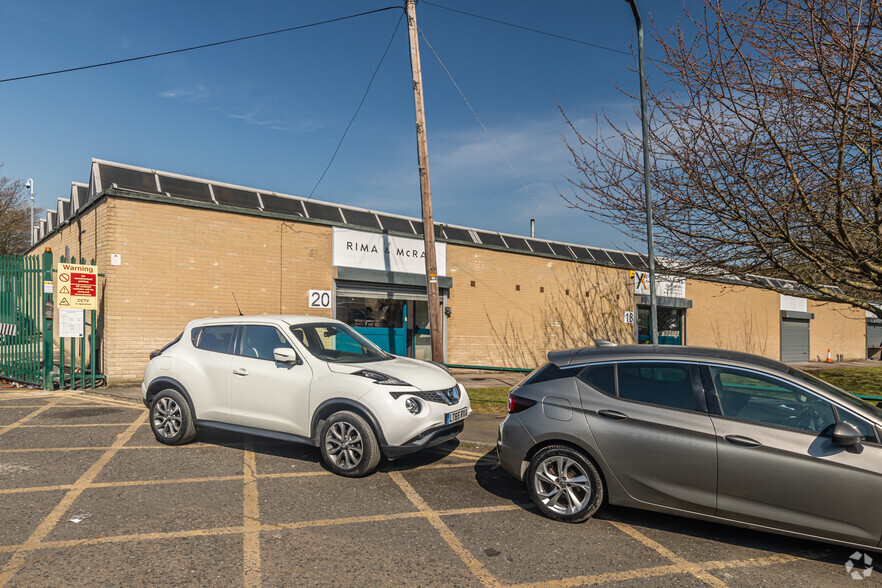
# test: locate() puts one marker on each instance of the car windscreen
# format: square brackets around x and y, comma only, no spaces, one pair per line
[841,395]
[337,343]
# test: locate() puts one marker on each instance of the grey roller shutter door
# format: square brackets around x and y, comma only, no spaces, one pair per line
[874,335]
[794,340]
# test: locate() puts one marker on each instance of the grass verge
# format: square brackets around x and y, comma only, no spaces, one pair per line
[489,400]
[862,380]
[855,380]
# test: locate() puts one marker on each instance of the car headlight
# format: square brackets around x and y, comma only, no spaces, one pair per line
[413,405]
[380,378]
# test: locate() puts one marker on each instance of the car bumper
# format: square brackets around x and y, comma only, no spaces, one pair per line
[512,445]
[429,438]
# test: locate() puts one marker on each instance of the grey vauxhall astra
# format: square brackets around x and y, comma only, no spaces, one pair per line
[716,435]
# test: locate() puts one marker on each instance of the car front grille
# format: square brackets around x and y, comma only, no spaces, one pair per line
[450,396]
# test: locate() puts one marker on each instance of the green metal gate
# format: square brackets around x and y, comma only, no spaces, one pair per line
[27,350]
[75,370]
[22,324]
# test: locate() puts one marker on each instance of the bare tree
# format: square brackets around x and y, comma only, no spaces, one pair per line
[766,143]
[15,217]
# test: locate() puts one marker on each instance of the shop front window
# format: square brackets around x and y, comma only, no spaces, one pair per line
[670,325]
[371,312]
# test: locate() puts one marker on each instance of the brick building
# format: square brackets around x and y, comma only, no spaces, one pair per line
[172,248]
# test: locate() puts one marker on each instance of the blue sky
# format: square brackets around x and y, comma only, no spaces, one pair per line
[268,113]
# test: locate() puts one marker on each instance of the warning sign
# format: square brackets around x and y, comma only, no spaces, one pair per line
[77,286]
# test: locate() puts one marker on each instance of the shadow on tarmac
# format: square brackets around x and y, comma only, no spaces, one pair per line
[494,479]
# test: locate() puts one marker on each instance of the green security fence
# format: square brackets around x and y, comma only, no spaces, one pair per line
[27,351]
[22,326]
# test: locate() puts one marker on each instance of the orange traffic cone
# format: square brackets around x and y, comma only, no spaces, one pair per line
[829,357]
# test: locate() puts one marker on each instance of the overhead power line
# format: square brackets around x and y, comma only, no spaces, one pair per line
[205,46]
[487,131]
[532,30]
[357,110]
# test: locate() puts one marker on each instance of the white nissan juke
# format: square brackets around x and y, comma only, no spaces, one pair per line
[302,379]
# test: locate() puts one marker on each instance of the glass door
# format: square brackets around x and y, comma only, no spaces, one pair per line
[421,341]
[381,320]
[670,325]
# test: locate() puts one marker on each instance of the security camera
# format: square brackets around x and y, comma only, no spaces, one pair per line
[28,184]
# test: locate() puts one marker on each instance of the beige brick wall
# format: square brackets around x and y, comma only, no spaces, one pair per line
[839,328]
[739,318]
[495,324]
[181,263]
[186,263]
[749,319]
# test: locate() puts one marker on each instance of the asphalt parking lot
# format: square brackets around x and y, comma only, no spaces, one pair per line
[87,496]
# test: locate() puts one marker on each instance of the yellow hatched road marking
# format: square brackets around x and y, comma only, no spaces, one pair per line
[251,518]
[688,567]
[128,483]
[260,527]
[480,572]
[28,417]
[76,425]
[94,397]
[41,449]
[637,574]
[18,557]
[669,570]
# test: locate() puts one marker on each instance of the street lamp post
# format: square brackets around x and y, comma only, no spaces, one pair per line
[653,309]
[30,185]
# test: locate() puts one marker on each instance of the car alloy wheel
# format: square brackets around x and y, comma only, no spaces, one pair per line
[167,417]
[344,445]
[564,483]
[349,445]
[170,418]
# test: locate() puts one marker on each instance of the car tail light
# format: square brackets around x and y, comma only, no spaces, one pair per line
[155,353]
[518,403]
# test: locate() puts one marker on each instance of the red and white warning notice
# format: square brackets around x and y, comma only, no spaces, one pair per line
[77,286]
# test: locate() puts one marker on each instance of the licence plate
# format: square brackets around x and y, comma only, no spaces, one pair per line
[455,416]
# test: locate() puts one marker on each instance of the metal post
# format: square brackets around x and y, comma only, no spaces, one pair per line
[47,318]
[425,188]
[30,185]
[653,309]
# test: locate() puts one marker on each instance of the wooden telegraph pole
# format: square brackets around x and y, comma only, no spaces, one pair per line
[425,189]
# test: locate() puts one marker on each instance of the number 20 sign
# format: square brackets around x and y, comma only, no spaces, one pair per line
[319,299]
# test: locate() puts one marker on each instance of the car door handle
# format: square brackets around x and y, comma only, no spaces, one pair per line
[745,441]
[612,414]
[240,372]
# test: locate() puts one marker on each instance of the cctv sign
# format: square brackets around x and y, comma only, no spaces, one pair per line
[77,286]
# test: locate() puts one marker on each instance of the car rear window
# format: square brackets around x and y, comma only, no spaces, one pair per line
[600,377]
[547,372]
[216,338]
[665,384]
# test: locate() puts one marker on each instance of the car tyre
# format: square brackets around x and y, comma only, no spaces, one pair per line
[348,444]
[564,484]
[170,418]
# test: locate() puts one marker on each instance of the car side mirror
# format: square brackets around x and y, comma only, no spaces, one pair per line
[846,434]
[286,355]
